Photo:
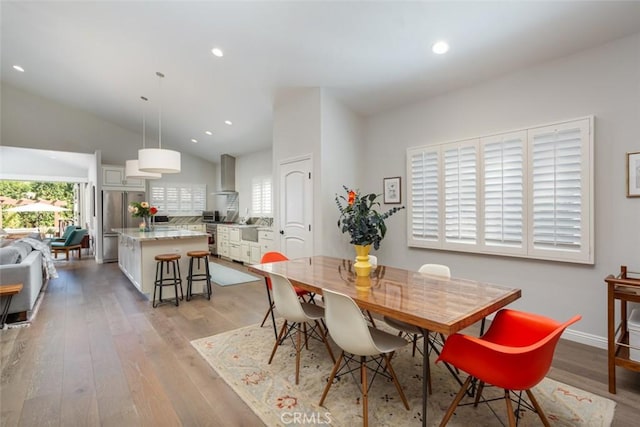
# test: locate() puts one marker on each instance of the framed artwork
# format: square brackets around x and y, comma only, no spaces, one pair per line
[391,187]
[633,174]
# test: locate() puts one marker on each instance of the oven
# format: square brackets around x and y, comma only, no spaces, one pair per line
[212,230]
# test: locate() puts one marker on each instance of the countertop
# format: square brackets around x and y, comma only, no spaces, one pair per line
[162,234]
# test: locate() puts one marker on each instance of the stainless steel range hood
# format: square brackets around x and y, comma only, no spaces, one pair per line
[227,175]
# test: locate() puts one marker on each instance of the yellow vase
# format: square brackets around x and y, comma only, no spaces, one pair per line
[362,265]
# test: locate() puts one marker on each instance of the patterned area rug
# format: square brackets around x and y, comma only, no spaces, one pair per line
[240,358]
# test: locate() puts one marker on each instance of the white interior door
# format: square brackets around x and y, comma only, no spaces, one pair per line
[296,208]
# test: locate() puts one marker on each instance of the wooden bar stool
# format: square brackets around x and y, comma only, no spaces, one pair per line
[175,280]
[197,277]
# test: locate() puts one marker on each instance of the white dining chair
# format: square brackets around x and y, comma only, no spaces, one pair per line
[349,330]
[413,331]
[297,315]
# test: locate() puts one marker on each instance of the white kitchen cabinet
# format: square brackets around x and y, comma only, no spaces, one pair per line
[223,241]
[129,259]
[235,235]
[245,251]
[265,241]
[234,251]
[255,254]
[113,177]
[197,227]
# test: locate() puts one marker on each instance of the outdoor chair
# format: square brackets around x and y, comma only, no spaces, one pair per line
[72,242]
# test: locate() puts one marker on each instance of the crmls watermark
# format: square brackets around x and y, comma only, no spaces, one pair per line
[304,418]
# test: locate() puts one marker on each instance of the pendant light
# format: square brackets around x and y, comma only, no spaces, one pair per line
[131,166]
[159,160]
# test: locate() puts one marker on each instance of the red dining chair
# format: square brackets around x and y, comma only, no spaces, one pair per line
[515,354]
[301,293]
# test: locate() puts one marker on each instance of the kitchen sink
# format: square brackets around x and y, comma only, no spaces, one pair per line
[250,233]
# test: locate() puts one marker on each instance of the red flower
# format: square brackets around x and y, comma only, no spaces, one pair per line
[153,210]
[352,197]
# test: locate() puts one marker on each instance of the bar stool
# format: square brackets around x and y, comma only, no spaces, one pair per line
[175,280]
[199,255]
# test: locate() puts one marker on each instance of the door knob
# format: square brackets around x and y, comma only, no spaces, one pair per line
[282,232]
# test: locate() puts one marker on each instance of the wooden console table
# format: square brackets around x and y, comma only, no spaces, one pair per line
[8,291]
[625,289]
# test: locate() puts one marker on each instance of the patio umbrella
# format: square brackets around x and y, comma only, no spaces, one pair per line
[37,207]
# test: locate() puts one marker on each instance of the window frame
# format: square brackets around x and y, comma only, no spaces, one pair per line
[585,254]
[189,207]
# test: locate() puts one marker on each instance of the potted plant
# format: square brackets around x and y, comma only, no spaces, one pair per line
[365,225]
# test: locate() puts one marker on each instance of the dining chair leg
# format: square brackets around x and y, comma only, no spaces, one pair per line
[365,398]
[306,336]
[415,345]
[334,371]
[478,393]
[325,341]
[299,350]
[277,343]
[510,414]
[454,404]
[538,408]
[395,380]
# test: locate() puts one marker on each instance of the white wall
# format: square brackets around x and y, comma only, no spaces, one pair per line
[340,164]
[296,133]
[250,166]
[30,121]
[604,81]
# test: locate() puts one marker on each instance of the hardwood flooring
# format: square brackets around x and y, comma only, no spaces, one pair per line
[99,354]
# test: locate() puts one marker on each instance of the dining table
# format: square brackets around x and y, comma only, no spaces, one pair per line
[432,303]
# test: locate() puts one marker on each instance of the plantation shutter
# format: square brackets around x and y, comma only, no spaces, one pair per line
[424,195]
[157,198]
[503,191]
[460,192]
[199,198]
[560,181]
[261,196]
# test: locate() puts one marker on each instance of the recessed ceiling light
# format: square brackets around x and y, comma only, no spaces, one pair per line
[217,52]
[18,68]
[228,122]
[440,47]
[195,141]
[208,132]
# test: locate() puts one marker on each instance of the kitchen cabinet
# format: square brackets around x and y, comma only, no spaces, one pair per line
[235,235]
[256,254]
[129,259]
[245,251]
[113,177]
[265,241]
[235,252]
[223,241]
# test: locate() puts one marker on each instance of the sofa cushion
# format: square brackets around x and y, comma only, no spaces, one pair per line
[23,248]
[9,255]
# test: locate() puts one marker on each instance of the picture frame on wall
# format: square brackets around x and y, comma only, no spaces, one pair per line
[633,174]
[391,190]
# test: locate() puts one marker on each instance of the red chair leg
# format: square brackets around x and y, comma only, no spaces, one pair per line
[539,410]
[454,404]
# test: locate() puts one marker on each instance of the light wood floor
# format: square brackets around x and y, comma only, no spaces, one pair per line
[98,354]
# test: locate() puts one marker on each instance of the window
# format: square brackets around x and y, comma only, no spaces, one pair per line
[261,196]
[179,199]
[526,193]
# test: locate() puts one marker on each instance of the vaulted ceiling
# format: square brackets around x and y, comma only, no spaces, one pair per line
[374,56]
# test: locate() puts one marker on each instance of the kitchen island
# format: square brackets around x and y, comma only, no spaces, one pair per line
[137,249]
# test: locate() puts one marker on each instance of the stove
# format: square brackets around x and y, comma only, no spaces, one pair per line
[212,230]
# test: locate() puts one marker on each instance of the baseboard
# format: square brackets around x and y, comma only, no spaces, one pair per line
[584,338]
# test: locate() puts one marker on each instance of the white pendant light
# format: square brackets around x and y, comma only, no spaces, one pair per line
[131,166]
[158,160]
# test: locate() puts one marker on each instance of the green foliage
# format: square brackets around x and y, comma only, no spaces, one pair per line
[359,218]
[51,191]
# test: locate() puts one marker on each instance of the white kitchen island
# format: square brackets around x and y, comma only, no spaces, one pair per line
[137,250]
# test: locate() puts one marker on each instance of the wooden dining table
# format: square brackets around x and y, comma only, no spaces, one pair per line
[433,304]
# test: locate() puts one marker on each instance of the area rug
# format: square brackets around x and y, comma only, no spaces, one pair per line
[240,358]
[225,276]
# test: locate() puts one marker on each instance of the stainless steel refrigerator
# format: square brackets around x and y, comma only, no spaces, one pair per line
[116,215]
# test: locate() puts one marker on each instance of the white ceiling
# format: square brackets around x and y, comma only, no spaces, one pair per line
[101,56]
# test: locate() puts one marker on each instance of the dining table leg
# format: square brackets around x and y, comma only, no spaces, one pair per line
[426,373]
